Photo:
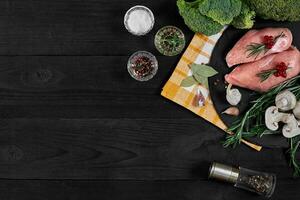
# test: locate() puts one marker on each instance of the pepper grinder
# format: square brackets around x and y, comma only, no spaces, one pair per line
[259,182]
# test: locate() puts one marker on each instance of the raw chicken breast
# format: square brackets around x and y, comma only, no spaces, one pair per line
[245,75]
[239,54]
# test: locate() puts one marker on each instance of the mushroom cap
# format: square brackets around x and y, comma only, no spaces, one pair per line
[296,110]
[271,118]
[285,100]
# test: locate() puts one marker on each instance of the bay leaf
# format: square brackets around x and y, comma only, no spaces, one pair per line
[205,83]
[201,79]
[195,68]
[188,81]
[203,70]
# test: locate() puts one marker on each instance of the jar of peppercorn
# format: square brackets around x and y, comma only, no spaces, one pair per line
[142,66]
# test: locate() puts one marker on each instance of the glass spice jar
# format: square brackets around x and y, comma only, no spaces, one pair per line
[169,41]
[259,182]
[139,20]
[142,65]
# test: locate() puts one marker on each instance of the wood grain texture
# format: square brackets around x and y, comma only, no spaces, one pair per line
[76,27]
[84,86]
[68,59]
[140,149]
[74,125]
[134,190]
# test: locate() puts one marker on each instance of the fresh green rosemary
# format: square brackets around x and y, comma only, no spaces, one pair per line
[255,49]
[294,145]
[242,129]
[266,74]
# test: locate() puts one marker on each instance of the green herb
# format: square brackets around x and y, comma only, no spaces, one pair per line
[279,36]
[255,115]
[188,81]
[171,41]
[266,74]
[294,145]
[255,49]
[202,80]
[203,70]
[200,74]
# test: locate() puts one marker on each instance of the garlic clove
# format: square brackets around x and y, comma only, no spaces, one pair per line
[234,111]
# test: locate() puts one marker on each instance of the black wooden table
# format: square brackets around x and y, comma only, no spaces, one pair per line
[75,125]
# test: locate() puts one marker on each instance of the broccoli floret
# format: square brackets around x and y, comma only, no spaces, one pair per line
[222,11]
[246,18]
[195,20]
[279,10]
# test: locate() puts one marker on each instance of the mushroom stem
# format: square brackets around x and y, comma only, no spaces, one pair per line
[273,117]
[291,128]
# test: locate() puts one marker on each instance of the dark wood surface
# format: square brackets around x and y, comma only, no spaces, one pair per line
[75,125]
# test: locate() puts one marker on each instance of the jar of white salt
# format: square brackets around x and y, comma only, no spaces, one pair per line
[139,20]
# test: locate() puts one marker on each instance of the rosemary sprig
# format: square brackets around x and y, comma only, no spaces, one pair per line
[294,145]
[279,36]
[241,127]
[264,75]
[255,49]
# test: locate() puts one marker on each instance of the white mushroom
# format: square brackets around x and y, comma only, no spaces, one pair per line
[296,110]
[291,128]
[285,100]
[233,96]
[273,116]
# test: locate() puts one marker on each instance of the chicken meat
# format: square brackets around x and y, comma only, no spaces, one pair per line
[249,75]
[256,44]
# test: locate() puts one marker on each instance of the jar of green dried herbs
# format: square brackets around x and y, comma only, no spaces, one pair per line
[169,41]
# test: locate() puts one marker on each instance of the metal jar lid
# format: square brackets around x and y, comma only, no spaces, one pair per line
[223,172]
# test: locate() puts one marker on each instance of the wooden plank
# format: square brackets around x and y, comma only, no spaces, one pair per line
[136,190]
[140,149]
[84,86]
[64,27]
[83,72]
[94,74]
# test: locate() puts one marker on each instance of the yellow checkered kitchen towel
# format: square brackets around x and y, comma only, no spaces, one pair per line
[199,51]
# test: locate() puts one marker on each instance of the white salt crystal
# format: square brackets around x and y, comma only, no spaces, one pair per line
[139,20]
